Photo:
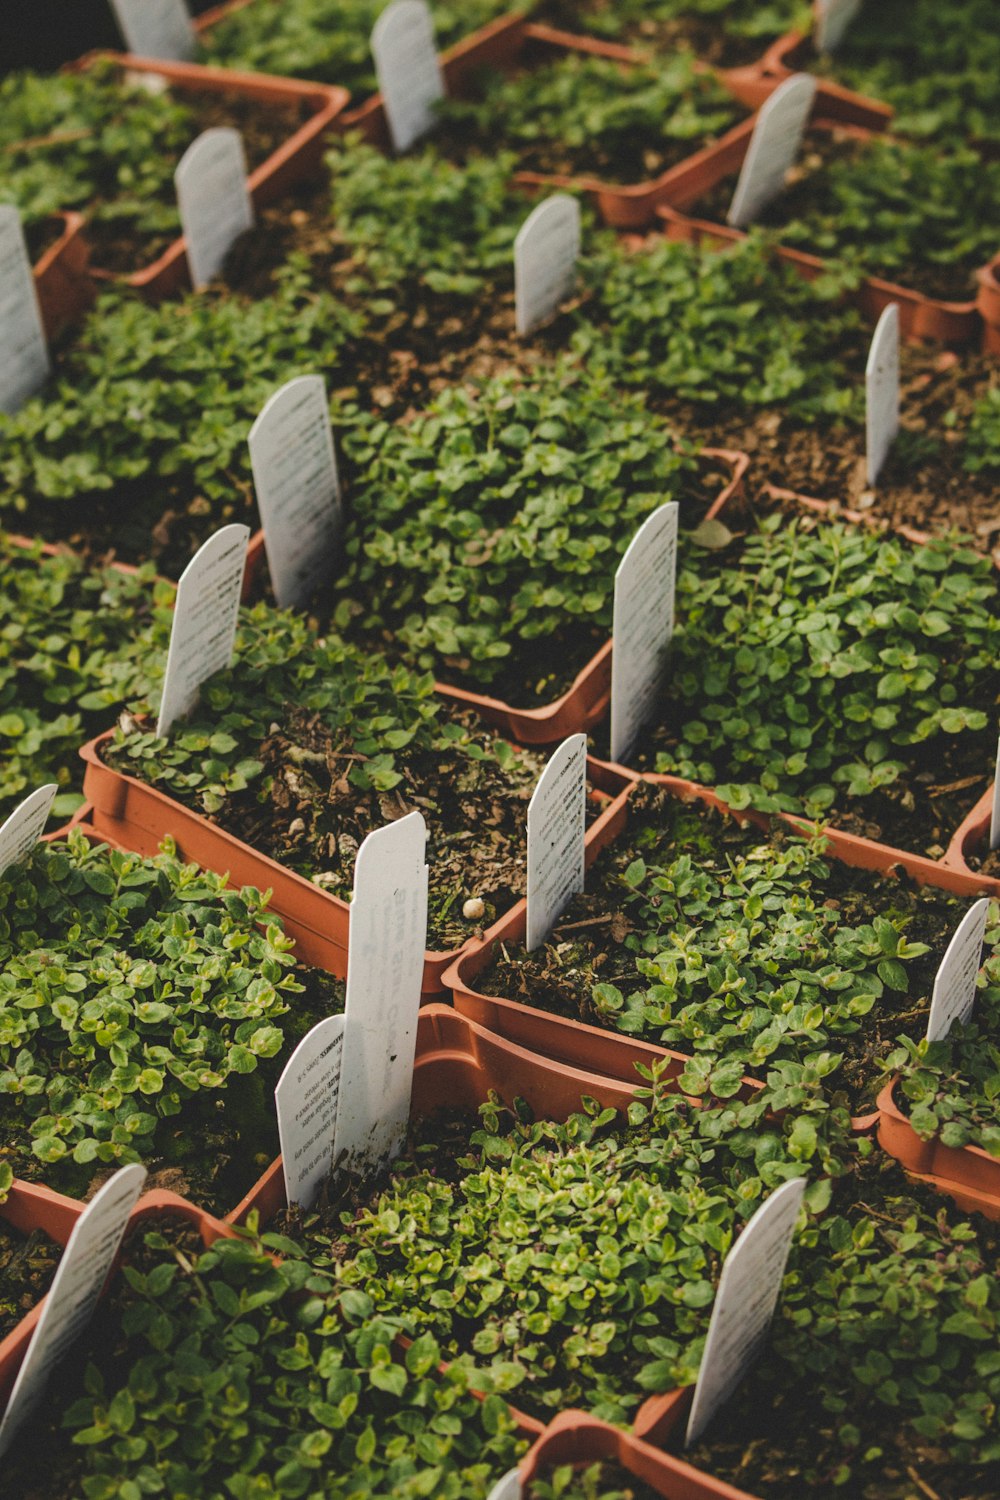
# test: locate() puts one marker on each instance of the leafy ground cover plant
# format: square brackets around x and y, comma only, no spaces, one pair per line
[484,534]
[882,1377]
[96,142]
[911,214]
[951,1088]
[577,1260]
[306,745]
[598,1481]
[593,116]
[724,32]
[753,954]
[138,442]
[220,1372]
[145,1013]
[935,67]
[74,643]
[825,668]
[329,40]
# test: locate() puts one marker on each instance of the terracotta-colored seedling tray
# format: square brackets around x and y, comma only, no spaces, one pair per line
[62,278]
[919,316]
[967,1173]
[793,53]
[299,158]
[138,816]
[29,1207]
[583,706]
[988,302]
[578,1439]
[973,835]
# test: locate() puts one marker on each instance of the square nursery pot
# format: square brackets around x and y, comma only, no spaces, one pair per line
[988,302]
[585,703]
[137,816]
[30,1206]
[459,1064]
[920,317]
[578,1439]
[62,277]
[298,159]
[576,1043]
[793,53]
[968,1174]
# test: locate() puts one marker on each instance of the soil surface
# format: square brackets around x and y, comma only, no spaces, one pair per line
[27,1266]
[220,1143]
[123,245]
[588,945]
[985,864]
[41,234]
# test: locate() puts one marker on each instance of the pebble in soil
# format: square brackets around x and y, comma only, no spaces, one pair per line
[742,950]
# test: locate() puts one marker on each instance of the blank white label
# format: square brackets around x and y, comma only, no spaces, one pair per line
[213,199]
[507,1488]
[156,28]
[832,20]
[306,1103]
[645,592]
[882,390]
[955,985]
[748,1293]
[995,816]
[774,145]
[409,74]
[204,627]
[25,365]
[298,492]
[557,818]
[22,830]
[76,1286]
[546,251]
[385,967]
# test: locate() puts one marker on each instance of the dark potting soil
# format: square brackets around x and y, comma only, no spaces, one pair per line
[41,234]
[805,196]
[27,1265]
[923,483]
[639,154]
[707,36]
[314,819]
[122,245]
[588,945]
[985,863]
[214,1150]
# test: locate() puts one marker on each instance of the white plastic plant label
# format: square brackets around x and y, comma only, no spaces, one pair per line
[954,993]
[22,830]
[546,251]
[298,491]
[747,1295]
[507,1488]
[995,814]
[25,365]
[882,391]
[76,1286]
[409,74]
[774,145]
[385,966]
[645,592]
[213,199]
[306,1103]
[832,20]
[156,28]
[204,627]
[557,823]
